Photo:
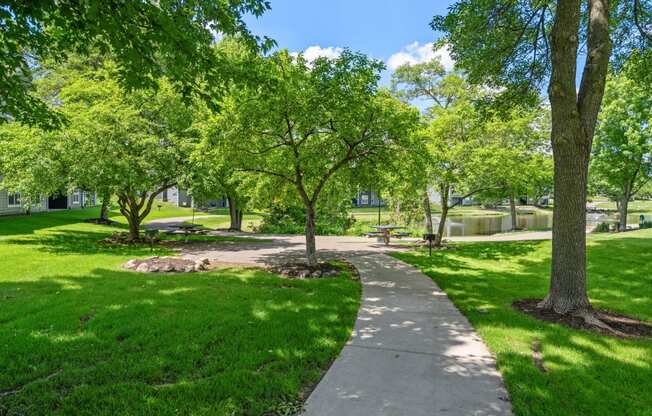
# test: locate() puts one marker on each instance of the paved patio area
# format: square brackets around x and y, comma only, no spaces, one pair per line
[411,353]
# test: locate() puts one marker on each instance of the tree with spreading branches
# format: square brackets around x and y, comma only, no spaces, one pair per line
[622,155]
[430,81]
[312,124]
[520,45]
[130,145]
[148,40]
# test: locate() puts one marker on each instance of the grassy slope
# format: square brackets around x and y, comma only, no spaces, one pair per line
[79,335]
[589,374]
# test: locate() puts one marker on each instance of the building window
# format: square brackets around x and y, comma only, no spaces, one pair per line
[364,199]
[75,198]
[13,200]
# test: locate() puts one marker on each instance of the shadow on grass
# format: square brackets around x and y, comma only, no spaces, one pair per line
[81,242]
[588,373]
[117,342]
[28,224]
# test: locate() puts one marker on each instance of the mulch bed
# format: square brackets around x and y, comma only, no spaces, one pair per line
[321,270]
[624,326]
[123,239]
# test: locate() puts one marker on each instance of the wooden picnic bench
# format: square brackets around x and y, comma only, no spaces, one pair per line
[385,232]
[187,230]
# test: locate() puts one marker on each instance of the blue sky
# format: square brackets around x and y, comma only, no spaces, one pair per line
[395,31]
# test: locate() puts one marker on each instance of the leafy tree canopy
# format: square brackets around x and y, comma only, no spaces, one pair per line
[622,153]
[147,40]
[313,125]
[132,145]
[506,43]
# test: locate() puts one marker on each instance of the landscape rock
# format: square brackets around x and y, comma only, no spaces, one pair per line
[131,264]
[167,264]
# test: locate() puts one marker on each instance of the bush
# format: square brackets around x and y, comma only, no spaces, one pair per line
[602,227]
[645,224]
[292,220]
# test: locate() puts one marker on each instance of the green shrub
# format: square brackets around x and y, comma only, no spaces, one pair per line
[645,224]
[292,220]
[602,227]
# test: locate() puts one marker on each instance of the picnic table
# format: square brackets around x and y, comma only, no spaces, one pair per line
[384,233]
[187,229]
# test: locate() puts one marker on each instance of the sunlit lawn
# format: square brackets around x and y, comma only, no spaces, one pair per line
[219,219]
[633,206]
[588,374]
[79,335]
[163,210]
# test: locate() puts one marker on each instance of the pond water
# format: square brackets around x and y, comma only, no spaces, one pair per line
[492,224]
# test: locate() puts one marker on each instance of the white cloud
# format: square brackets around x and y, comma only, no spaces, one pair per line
[316,51]
[415,53]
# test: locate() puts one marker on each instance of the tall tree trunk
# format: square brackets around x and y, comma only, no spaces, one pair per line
[311,247]
[236,215]
[568,275]
[444,190]
[427,211]
[574,115]
[622,210]
[104,210]
[512,211]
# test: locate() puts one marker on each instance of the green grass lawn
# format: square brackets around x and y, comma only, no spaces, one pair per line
[219,219]
[80,335]
[633,207]
[161,210]
[589,374]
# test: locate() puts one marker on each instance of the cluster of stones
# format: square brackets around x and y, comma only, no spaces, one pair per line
[124,239]
[302,271]
[158,264]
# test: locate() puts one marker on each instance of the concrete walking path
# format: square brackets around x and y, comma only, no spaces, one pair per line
[412,353]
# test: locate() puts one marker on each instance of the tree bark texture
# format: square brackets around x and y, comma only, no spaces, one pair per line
[134,227]
[311,246]
[104,210]
[444,190]
[622,211]
[512,212]
[427,211]
[574,115]
[136,207]
[236,215]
